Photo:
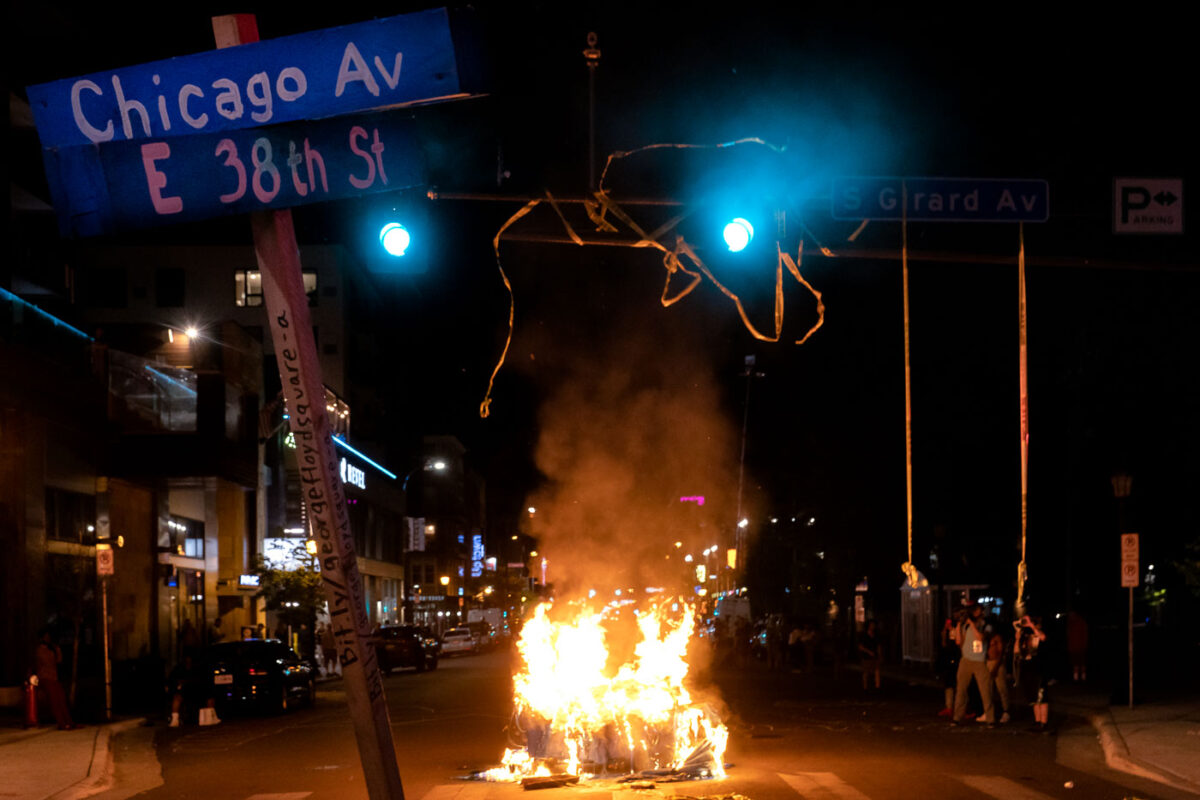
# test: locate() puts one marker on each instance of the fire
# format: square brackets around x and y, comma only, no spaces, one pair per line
[582,713]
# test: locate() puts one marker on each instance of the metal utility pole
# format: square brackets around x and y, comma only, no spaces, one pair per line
[591,55]
[739,535]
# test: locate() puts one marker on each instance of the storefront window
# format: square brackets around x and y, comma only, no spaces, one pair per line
[70,516]
[182,536]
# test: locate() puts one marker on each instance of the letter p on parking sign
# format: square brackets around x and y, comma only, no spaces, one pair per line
[1148,205]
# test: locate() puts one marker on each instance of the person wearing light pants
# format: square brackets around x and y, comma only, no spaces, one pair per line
[969,636]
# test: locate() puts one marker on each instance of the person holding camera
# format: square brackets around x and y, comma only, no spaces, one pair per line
[971,639]
[1031,678]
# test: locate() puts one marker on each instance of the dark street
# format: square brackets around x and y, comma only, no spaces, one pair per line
[792,735]
[588,364]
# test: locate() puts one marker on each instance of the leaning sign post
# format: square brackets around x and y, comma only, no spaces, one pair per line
[230,131]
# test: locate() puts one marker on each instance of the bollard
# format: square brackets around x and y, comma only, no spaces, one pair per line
[30,704]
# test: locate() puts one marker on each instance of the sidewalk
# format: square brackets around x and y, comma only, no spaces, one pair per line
[44,762]
[1155,740]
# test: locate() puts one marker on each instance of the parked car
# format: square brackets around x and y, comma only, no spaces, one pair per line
[458,640]
[264,674]
[405,646]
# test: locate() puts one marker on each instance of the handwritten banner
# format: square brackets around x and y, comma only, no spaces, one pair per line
[129,185]
[402,60]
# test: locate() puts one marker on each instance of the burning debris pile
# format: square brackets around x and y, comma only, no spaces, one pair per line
[586,712]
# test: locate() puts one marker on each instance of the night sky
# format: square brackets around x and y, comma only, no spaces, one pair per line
[1014,93]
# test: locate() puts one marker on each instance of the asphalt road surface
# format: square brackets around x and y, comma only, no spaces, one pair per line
[792,736]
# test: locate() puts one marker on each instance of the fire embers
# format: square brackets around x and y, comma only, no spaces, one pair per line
[586,710]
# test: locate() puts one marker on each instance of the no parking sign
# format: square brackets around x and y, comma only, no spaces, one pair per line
[1129,559]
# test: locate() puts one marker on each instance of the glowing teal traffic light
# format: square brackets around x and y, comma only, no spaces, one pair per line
[394,238]
[738,233]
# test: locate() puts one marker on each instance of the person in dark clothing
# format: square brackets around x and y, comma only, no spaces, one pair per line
[947,668]
[1030,669]
[188,683]
[46,658]
[868,650]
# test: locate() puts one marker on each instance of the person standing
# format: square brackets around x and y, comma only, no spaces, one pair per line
[329,650]
[947,667]
[794,647]
[997,669]
[1032,678]
[189,684]
[189,638]
[1077,645]
[972,665]
[46,658]
[868,650]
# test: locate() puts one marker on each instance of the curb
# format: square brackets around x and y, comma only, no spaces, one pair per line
[1117,756]
[100,770]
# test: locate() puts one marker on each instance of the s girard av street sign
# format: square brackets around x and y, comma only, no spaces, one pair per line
[403,60]
[941,199]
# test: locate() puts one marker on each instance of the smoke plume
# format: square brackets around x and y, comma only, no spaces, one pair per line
[630,431]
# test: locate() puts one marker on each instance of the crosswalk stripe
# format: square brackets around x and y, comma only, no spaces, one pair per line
[1002,788]
[474,790]
[822,786]
[465,790]
[446,791]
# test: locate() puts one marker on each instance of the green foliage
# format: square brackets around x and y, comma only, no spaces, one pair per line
[295,593]
[1189,566]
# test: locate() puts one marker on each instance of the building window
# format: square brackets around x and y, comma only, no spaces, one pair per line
[310,286]
[70,516]
[169,288]
[247,287]
[182,536]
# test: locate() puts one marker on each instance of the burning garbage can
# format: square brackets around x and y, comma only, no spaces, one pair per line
[582,712]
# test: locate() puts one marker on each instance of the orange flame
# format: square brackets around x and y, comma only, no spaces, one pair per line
[585,715]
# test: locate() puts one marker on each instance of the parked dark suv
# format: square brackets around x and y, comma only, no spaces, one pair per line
[263,673]
[404,646]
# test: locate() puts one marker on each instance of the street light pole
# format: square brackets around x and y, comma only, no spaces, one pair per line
[1122,484]
[592,56]
[738,532]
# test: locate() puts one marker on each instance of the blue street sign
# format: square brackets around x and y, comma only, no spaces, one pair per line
[400,60]
[127,185]
[941,199]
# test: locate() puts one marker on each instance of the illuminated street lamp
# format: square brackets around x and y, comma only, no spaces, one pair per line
[444,580]
[434,466]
